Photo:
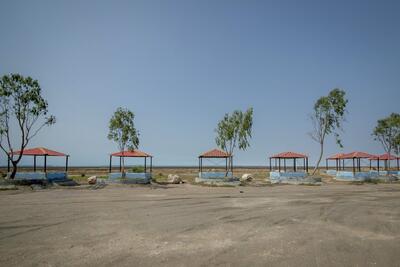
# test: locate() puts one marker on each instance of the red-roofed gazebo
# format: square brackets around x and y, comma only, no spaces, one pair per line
[216,153]
[339,161]
[288,155]
[132,154]
[356,156]
[385,158]
[41,152]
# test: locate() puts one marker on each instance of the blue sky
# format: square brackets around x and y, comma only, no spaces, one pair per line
[180,65]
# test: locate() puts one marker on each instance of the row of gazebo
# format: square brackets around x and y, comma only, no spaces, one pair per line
[280,160]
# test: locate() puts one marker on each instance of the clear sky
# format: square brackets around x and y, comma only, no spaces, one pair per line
[180,65]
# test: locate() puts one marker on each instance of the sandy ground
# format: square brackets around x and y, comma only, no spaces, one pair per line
[182,225]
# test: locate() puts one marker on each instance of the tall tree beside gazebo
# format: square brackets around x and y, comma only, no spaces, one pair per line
[234,130]
[122,131]
[387,132]
[328,115]
[21,103]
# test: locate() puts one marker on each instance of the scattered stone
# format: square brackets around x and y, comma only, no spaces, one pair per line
[8,187]
[92,180]
[241,191]
[174,179]
[37,187]
[247,177]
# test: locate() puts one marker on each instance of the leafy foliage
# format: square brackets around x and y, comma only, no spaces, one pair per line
[122,130]
[21,101]
[235,130]
[328,116]
[387,132]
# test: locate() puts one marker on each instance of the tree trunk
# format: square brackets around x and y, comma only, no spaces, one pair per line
[319,159]
[229,166]
[14,170]
[123,167]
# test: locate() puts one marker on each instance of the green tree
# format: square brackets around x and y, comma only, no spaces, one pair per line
[234,130]
[122,131]
[23,113]
[328,116]
[387,132]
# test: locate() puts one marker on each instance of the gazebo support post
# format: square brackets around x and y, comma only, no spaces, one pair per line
[270,166]
[304,164]
[284,165]
[120,164]
[378,165]
[34,163]
[226,164]
[145,163]
[354,168]
[279,168]
[398,166]
[307,164]
[45,163]
[294,161]
[151,164]
[370,164]
[8,164]
[109,169]
[66,163]
[337,164]
[326,162]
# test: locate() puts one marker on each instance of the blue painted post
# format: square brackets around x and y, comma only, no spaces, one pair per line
[34,163]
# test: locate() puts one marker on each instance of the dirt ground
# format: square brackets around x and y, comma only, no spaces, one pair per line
[181,225]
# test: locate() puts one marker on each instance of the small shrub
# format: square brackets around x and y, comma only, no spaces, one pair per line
[83,174]
[137,169]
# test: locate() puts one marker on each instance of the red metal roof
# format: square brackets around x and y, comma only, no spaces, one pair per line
[289,155]
[337,156]
[40,151]
[385,156]
[134,153]
[215,153]
[357,155]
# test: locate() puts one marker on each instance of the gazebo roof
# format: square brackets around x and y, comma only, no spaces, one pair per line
[337,156]
[385,156]
[215,153]
[357,155]
[289,155]
[134,154]
[40,151]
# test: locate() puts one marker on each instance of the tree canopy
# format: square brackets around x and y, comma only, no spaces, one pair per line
[387,132]
[328,116]
[21,102]
[235,130]
[122,130]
